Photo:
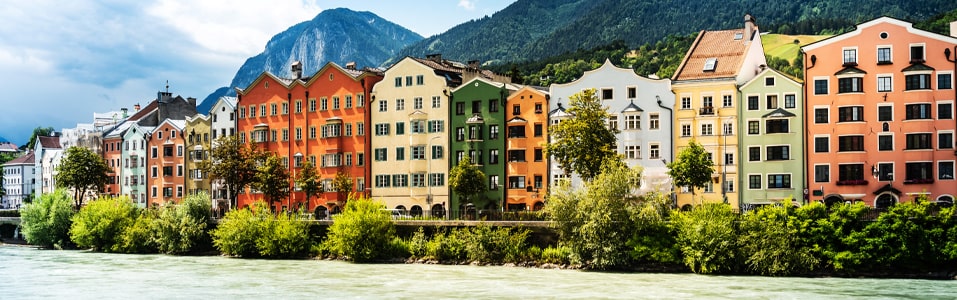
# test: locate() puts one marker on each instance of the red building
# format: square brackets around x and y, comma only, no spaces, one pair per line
[165,176]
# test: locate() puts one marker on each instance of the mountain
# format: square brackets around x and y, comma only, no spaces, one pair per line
[335,35]
[531,30]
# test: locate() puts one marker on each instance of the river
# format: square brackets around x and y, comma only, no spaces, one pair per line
[27,273]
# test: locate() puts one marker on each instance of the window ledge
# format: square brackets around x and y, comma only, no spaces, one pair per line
[852,182]
[919,181]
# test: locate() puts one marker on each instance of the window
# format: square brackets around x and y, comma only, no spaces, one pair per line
[437,152]
[789,101]
[493,156]
[493,132]
[348,101]
[820,116]
[419,80]
[168,151]
[537,154]
[475,156]
[400,180]
[285,108]
[493,182]
[945,170]
[168,171]
[707,129]
[850,143]
[885,113]
[778,153]
[820,86]
[884,84]
[383,105]
[779,181]
[436,126]
[476,107]
[776,126]
[654,151]
[919,171]
[707,101]
[916,141]
[632,92]
[436,102]
[516,131]
[516,155]
[335,102]
[729,159]
[475,132]
[685,130]
[754,127]
[262,110]
[381,181]
[537,129]
[850,172]
[685,102]
[460,134]
[772,101]
[459,108]
[850,57]
[726,101]
[360,128]
[323,103]
[399,153]
[312,104]
[382,129]
[710,64]
[399,128]
[418,152]
[917,111]
[606,94]
[945,140]
[945,111]
[822,173]
[727,128]
[917,53]
[516,109]
[885,171]
[883,55]
[850,85]
[654,122]
[408,81]
[769,81]
[493,105]
[945,81]
[754,153]
[633,152]
[516,182]
[850,114]
[753,102]
[538,108]
[754,182]
[360,100]
[612,122]
[418,126]
[436,179]
[399,104]
[885,142]
[398,82]
[285,133]
[272,109]
[632,122]
[917,82]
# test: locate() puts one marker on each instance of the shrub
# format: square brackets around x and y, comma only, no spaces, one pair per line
[239,230]
[137,238]
[361,232]
[447,247]
[100,224]
[707,237]
[905,237]
[654,238]
[182,228]
[419,244]
[284,236]
[557,255]
[770,243]
[46,222]
[484,243]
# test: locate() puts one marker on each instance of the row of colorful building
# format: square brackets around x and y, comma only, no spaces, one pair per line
[873,121]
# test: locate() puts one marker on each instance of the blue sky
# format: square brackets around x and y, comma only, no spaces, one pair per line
[62,61]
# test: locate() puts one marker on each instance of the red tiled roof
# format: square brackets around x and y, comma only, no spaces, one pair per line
[8,147]
[720,45]
[143,112]
[50,142]
[26,159]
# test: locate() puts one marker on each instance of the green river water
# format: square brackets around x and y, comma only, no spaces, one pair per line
[27,273]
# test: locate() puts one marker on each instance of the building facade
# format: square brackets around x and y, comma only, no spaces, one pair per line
[198,145]
[772,142]
[526,175]
[880,115]
[18,179]
[133,171]
[165,163]
[706,110]
[47,154]
[222,123]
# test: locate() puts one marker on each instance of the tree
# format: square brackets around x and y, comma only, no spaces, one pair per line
[233,163]
[39,131]
[46,222]
[309,181]
[361,232]
[692,168]
[466,179]
[342,184]
[272,179]
[81,170]
[581,143]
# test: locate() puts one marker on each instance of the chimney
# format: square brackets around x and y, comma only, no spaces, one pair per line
[437,57]
[748,27]
[136,107]
[351,65]
[953,29]
[474,64]
[297,69]
[163,97]
[125,112]
[191,100]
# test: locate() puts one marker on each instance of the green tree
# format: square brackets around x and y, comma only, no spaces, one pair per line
[232,163]
[46,221]
[708,238]
[466,179]
[309,181]
[692,168]
[182,228]
[81,170]
[771,244]
[272,179]
[37,132]
[100,224]
[582,143]
[342,184]
[362,232]
[596,222]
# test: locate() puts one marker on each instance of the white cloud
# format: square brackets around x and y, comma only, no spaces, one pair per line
[467,4]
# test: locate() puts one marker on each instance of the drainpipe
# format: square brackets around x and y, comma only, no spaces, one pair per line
[804,170]
[292,193]
[947,54]
[671,117]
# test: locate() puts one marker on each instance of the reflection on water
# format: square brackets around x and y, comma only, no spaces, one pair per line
[26,273]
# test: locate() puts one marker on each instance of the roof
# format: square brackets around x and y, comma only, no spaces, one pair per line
[632,107]
[722,46]
[779,113]
[877,21]
[8,147]
[50,142]
[917,67]
[27,159]
[151,107]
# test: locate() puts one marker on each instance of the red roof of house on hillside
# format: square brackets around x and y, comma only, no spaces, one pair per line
[27,159]
[724,50]
[50,142]
[8,147]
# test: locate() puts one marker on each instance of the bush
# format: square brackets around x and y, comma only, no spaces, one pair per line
[654,238]
[485,244]
[46,222]
[137,238]
[906,237]
[419,244]
[181,228]
[557,255]
[362,232]
[770,244]
[239,230]
[100,224]
[447,247]
[707,237]
[284,236]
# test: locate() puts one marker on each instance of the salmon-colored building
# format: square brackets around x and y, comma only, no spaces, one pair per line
[165,148]
[320,118]
[528,108]
[880,115]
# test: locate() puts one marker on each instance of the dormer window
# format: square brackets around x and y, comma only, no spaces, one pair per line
[850,57]
[710,64]
[738,36]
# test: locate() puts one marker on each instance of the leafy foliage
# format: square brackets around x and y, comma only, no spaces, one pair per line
[272,179]
[309,180]
[138,237]
[100,224]
[342,184]
[181,229]
[466,179]
[233,163]
[257,232]
[939,23]
[908,236]
[46,222]
[82,170]
[770,243]
[707,236]
[693,167]
[653,240]
[582,143]
[361,231]
[37,132]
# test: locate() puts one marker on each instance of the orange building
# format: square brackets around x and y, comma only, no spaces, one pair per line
[880,115]
[320,118]
[164,161]
[527,107]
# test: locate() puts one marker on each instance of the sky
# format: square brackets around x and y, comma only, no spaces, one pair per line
[61,61]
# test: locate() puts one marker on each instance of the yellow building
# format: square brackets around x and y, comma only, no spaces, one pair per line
[198,144]
[706,111]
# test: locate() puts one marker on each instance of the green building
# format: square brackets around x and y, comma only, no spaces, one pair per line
[477,125]
[772,147]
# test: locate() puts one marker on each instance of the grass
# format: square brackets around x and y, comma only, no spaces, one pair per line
[783,46]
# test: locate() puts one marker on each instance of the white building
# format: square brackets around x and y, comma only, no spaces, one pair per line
[18,178]
[47,154]
[222,123]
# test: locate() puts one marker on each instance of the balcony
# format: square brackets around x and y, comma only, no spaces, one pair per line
[706,111]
